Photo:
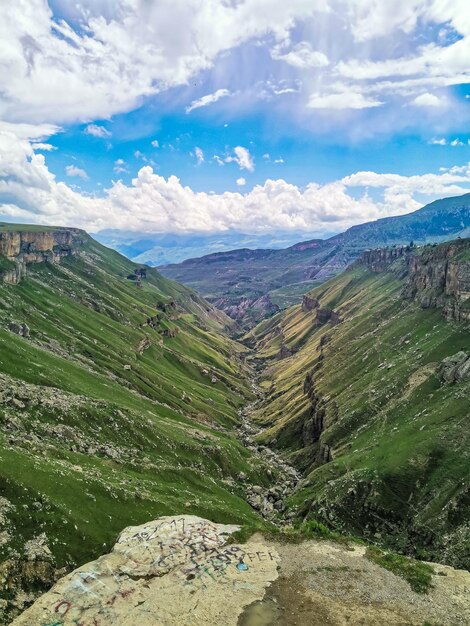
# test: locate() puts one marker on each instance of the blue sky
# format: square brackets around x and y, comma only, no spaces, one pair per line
[250,116]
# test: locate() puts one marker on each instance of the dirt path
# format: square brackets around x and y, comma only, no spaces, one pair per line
[327,584]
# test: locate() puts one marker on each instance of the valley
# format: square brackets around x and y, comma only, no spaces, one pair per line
[252,284]
[125,398]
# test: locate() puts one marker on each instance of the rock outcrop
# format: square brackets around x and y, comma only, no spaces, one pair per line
[381,259]
[309,303]
[437,276]
[174,571]
[456,368]
[24,247]
[256,309]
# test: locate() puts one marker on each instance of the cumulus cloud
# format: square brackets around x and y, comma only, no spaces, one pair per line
[74,171]
[301,55]
[208,99]
[30,192]
[438,142]
[95,130]
[241,182]
[427,100]
[155,143]
[242,157]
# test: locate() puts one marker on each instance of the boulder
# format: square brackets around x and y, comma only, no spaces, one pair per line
[177,571]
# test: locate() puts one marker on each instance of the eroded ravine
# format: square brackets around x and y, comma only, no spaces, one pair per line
[270,502]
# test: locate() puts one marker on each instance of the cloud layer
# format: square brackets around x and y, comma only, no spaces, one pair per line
[92,59]
[29,192]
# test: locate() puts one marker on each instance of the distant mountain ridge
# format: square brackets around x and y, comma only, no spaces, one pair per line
[229,279]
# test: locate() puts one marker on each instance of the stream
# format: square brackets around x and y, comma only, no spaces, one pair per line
[270,503]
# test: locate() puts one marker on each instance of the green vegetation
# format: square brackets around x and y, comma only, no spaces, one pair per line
[382,439]
[416,573]
[117,408]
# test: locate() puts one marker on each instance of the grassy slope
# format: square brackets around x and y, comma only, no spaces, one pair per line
[399,437]
[171,426]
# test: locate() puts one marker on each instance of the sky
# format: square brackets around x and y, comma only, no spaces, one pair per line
[231,116]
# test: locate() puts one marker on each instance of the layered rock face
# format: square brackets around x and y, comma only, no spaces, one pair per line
[26,247]
[380,260]
[437,276]
[440,278]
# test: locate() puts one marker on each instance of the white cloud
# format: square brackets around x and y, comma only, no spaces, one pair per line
[342,100]
[438,142]
[241,182]
[242,157]
[95,130]
[302,55]
[279,160]
[94,59]
[120,166]
[456,142]
[208,99]
[155,143]
[73,170]
[199,154]
[30,192]
[45,147]
[427,100]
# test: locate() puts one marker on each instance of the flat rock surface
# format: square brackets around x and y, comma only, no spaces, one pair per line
[174,571]
[329,584]
[180,571]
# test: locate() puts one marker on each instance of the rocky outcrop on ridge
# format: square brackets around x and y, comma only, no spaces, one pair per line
[174,571]
[24,247]
[437,277]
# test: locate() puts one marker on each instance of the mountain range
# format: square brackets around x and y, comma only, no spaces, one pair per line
[250,284]
[125,398]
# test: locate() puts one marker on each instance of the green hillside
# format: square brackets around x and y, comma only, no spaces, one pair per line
[361,397]
[119,392]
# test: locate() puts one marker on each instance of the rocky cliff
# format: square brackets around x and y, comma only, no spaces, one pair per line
[436,276]
[23,247]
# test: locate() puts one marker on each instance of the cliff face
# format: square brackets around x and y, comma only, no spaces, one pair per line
[440,278]
[436,276]
[24,247]
[379,260]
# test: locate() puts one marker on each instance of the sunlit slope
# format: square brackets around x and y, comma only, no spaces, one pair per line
[117,408]
[362,408]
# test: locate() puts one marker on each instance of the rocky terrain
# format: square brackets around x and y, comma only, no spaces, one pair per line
[119,400]
[30,245]
[122,400]
[180,571]
[235,281]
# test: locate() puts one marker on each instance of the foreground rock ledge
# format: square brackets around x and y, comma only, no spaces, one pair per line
[174,571]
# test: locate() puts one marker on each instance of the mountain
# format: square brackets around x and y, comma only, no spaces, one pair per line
[235,281]
[366,389]
[162,249]
[124,403]
[119,397]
